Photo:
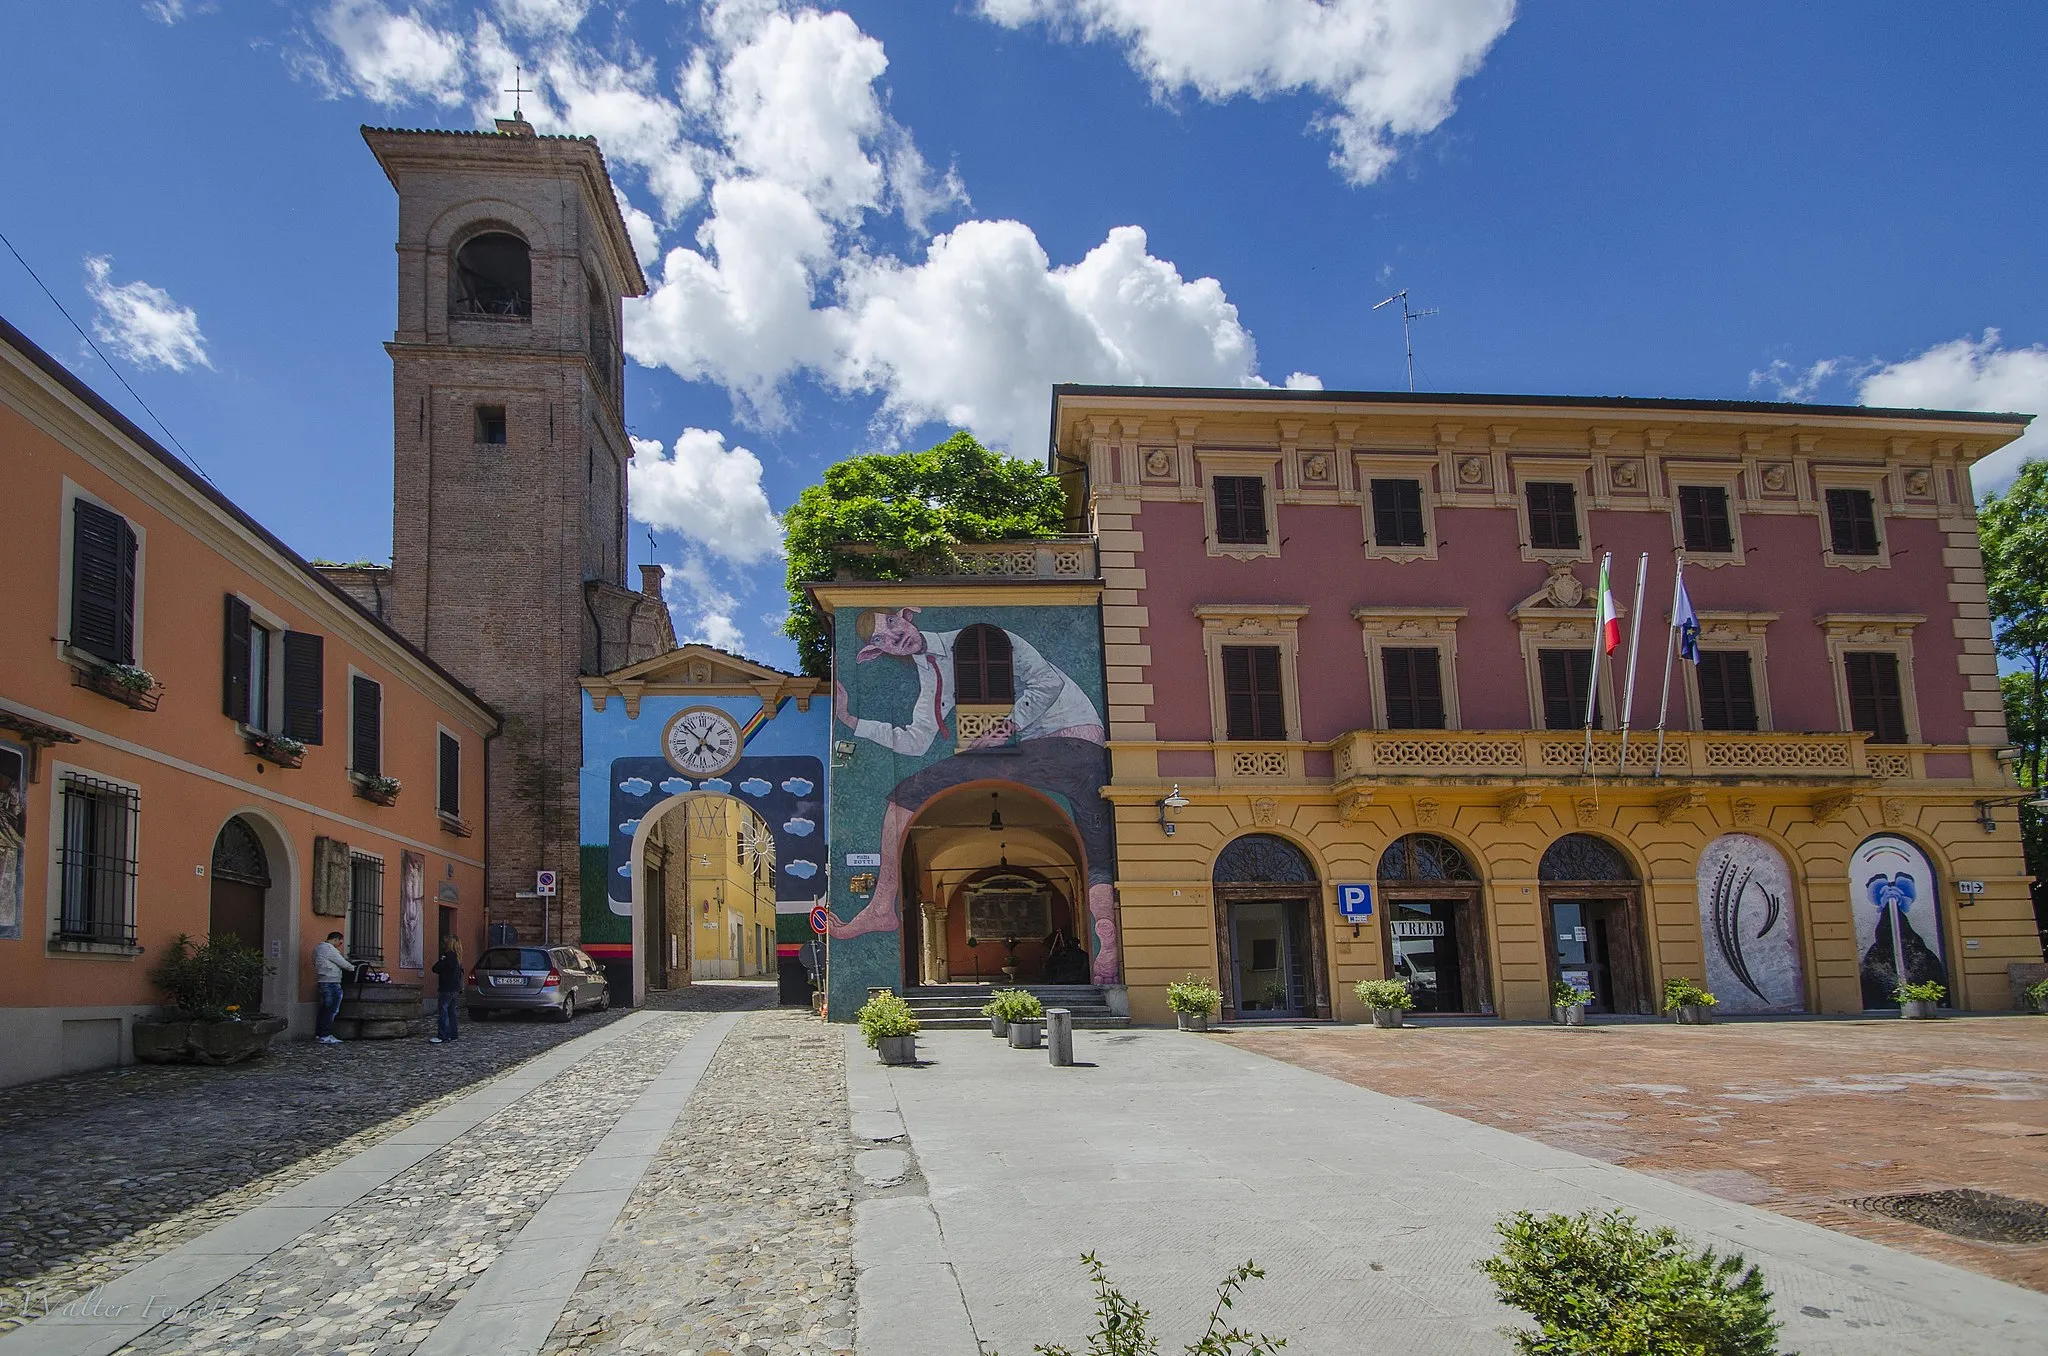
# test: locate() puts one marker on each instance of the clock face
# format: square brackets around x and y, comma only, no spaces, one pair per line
[702,741]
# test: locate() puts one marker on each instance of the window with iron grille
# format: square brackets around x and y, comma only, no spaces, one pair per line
[1240,510]
[981,665]
[1397,513]
[1703,513]
[96,861]
[1553,515]
[1414,686]
[449,801]
[1852,522]
[1727,691]
[1877,705]
[365,908]
[1567,675]
[1253,707]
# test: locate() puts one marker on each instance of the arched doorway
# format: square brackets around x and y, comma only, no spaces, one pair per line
[1749,926]
[1592,903]
[703,866]
[1435,924]
[1269,931]
[1894,896]
[241,883]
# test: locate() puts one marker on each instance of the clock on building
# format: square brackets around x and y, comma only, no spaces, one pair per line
[701,741]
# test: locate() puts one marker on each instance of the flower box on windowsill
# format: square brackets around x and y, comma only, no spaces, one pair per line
[125,683]
[377,790]
[456,824]
[279,749]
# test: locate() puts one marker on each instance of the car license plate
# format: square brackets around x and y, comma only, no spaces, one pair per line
[508,979]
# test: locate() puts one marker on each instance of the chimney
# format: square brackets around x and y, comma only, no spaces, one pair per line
[650,580]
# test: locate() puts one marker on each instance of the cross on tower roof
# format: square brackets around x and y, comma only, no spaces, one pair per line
[517,90]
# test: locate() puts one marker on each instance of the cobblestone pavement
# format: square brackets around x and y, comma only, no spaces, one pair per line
[105,1170]
[1796,1117]
[738,1241]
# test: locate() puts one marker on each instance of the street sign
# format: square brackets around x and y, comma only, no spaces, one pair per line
[544,883]
[812,955]
[1969,887]
[864,859]
[1354,901]
[821,920]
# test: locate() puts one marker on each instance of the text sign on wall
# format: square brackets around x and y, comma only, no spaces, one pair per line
[1354,901]
[863,859]
[1969,887]
[1418,927]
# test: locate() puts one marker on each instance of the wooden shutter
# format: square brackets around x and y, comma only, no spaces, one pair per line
[1240,510]
[234,660]
[1553,516]
[1414,687]
[450,802]
[1852,522]
[981,666]
[102,583]
[1566,676]
[366,704]
[1397,513]
[1876,704]
[1703,513]
[304,686]
[1727,691]
[1253,706]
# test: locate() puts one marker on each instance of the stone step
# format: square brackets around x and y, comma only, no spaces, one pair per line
[1081,1023]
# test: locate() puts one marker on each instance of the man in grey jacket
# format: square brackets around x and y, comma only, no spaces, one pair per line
[330,965]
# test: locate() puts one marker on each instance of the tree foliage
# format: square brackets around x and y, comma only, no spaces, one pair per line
[895,509]
[2014,530]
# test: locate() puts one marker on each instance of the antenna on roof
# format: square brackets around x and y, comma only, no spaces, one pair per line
[518,72]
[1408,319]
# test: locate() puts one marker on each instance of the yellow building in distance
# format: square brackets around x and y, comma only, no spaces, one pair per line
[710,871]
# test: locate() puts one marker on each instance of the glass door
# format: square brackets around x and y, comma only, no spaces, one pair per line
[1584,929]
[1426,952]
[1267,953]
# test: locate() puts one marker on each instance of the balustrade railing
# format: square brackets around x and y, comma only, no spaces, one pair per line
[1545,753]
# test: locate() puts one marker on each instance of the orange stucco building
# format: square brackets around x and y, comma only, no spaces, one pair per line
[199,733]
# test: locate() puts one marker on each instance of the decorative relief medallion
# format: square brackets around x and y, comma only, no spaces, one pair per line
[1895,812]
[1519,806]
[1586,811]
[1263,810]
[1354,807]
[1626,473]
[1471,470]
[1918,481]
[1316,467]
[1426,811]
[1158,461]
[1777,476]
[1745,811]
[1563,588]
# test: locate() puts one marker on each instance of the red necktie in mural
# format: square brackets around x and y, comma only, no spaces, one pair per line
[938,696]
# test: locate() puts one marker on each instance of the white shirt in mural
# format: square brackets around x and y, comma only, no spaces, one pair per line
[1046,699]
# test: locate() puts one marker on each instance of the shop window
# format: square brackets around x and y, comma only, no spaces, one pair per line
[1703,514]
[1727,691]
[1567,676]
[1254,705]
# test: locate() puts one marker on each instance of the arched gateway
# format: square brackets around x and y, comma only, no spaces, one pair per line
[1269,930]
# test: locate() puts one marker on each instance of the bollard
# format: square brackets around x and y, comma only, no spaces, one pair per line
[1059,1036]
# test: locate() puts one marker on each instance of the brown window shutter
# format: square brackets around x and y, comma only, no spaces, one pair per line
[1240,510]
[1703,513]
[305,680]
[1239,710]
[967,666]
[102,583]
[1397,513]
[1876,704]
[450,801]
[1727,691]
[1852,522]
[367,750]
[1271,705]
[234,660]
[1566,675]
[1414,687]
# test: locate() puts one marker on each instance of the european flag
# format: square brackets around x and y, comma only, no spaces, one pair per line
[1688,623]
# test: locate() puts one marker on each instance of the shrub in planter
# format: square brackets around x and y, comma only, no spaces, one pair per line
[2037,996]
[1568,1002]
[1194,1000]
[1921,1000]
[212,981]
[1123,1328]
[1388,999]
[1011,1005]
[1599,1285]
[890,1027]
[1690,1003]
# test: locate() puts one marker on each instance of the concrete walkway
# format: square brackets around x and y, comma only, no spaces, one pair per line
[1176,1157]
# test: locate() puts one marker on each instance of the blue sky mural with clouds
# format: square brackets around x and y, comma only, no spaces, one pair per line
[868,224]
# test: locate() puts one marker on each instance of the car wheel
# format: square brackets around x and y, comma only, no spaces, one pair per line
[568,1009]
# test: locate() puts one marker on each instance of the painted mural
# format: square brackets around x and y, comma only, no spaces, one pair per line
[896,696]
[1892,891]
[412,911]
[1751,937]
[13,834]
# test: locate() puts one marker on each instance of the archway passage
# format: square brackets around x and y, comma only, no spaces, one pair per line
[1269,931]
[705,892]
[1592,904]
[997,871]
[1435,924]
[240,881]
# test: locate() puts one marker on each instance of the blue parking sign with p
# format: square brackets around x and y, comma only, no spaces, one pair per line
[1354,901]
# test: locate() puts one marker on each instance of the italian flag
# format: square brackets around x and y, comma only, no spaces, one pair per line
[1610,616]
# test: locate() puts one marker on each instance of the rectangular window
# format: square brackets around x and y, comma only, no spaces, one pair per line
[1876,704]
[96,861]
[1414,687]
[365,908]
[1852,522]
[1703,513]
[1553,515]
[235,658]
[259,675]
[102,583]
[1240,510]
[490,424]
[1566,675]
[1397,513]
[450,781]
[366,726]
[1727,690]
[305,661]
[1253,707]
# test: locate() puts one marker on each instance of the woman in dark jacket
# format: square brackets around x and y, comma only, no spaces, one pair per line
[449,969]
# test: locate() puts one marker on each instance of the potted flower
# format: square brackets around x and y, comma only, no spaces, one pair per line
[280,749]
[1920,1001]
[210,987]
[2037,996]
[1005,1006]
[129,684]
[1026,1017]
[1687,1002]
[1568,999]
[890,1028]
[379,789]
[1388,999]
[1193,1000]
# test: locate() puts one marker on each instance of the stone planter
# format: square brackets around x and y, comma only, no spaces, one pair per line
[1575,1015]
[1027,1033]
[1386,1018]
[897,1049]
[998,1028]
[1192,1021]
[1693,1014]
[380,1012]
[204,1042]
[104,683]
[1920,1010]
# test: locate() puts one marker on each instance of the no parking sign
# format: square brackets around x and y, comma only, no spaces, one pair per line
[1354,901]
[821,920]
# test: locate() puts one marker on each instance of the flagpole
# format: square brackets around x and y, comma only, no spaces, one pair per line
[1670,644]
[1593,680]
[1635,627]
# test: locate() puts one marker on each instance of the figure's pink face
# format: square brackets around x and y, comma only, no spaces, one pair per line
[894,634]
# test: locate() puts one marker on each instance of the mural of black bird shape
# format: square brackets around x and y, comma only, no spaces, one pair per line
[1731,884]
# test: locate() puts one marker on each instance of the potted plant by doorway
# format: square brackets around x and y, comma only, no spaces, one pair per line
[1920,1002]
[1388,999]
[1007,1006]
[1194,1001]
[1687,1002]
[890,1028]
[210,986]
[2037,997]
[1568,1001]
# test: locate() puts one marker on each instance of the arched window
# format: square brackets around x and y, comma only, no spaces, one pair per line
[238,855]
[493,275]
[1424,857]
[981,666]
[1263,859]
[1581,856]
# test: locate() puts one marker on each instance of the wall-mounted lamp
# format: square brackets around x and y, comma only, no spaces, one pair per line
[995,812]
[2034,801]
[842,748]
[1173,800]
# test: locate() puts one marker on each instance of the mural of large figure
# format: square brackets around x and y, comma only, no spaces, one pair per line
[13,835]
[1051,740]
[1892,890]
[1746,920]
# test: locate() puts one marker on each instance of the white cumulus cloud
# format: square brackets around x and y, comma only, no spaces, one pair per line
[701,609]
[543,16]
[1972,374]
[1386,69]
[141,322]
[708,493]
[395,56]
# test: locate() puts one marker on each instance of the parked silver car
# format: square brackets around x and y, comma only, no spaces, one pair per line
[559,980]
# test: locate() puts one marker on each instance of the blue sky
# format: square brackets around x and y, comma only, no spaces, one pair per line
[871,224]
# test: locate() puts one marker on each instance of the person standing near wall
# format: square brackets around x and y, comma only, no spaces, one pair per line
[448,970]
[330,965]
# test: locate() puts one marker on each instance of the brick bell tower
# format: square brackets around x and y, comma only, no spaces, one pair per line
[509,527]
